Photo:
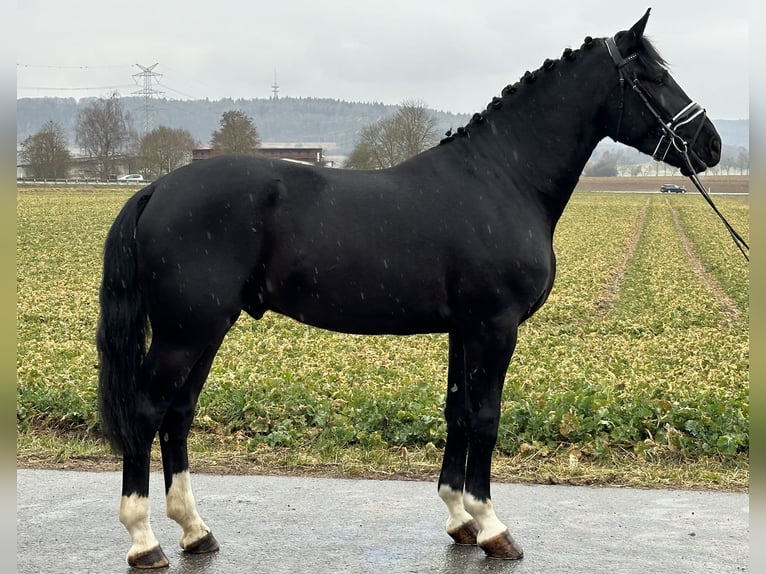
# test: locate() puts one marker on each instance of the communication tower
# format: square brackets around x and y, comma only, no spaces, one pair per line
[275,87]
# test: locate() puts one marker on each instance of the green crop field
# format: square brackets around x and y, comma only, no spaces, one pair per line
[640,355]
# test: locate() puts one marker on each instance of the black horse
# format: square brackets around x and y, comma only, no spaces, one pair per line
[456,240]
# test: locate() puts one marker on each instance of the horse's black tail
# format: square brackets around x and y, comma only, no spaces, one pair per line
[122,328]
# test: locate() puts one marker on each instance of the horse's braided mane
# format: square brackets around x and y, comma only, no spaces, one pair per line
[647,53]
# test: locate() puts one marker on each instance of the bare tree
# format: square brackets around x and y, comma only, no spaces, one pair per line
[237,134]
[164,149]
[46,152]
[416,127]
[605,166]
[734,159]
[743,160]
[103,131]
[394,139]
[377,147]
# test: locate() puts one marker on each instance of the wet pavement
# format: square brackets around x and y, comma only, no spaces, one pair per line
[67,522]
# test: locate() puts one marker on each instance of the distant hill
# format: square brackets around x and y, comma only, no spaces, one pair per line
[284,120]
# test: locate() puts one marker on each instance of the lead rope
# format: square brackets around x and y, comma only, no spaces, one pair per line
[738,241]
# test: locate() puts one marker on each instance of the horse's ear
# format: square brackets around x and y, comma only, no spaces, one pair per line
[628,41]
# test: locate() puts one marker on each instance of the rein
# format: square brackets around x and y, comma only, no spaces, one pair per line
[670,135]
[738,241]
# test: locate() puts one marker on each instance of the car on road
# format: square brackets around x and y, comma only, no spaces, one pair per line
[131,177]
[672,188]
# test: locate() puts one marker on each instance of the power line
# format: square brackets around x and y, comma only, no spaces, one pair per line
[72,88]
[194,80]
[177,91]
[91,77]
[76,67]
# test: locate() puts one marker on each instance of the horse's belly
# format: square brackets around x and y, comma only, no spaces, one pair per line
[361,306]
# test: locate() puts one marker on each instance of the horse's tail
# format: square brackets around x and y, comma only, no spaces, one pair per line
[122,328]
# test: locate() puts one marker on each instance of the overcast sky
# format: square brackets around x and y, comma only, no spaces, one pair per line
[452,55]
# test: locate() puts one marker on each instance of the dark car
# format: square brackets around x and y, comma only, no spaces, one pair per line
[672,188]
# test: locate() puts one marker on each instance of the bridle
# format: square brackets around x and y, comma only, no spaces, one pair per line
[669,128]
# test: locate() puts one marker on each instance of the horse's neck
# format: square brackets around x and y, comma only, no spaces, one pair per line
[544,132]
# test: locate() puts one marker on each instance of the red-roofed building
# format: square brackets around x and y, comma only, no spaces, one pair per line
[309,155]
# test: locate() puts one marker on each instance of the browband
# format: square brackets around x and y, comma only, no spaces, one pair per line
[614,52]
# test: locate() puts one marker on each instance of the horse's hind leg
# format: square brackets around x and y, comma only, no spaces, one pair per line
[164,370]
[460,525]
[181,507]
[145,550]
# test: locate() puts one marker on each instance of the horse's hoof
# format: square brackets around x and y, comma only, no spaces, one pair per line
[154,558]
[502,546]
[466,534]
[206,544]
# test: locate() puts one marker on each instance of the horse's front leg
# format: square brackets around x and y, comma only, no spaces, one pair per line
[487,355]
[460,525]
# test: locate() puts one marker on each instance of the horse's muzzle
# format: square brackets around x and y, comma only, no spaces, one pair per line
[705,152]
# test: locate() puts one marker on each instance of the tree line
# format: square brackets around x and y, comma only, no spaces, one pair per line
[104,132]
[284,119]
[619,161]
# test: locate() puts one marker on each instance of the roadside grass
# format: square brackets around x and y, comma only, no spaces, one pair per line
[214,454]
[650,391]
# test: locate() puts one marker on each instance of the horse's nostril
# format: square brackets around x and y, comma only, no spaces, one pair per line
[715,146]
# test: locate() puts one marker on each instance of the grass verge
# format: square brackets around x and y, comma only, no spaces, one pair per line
[208,455]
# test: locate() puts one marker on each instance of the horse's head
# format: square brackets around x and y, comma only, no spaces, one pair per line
[649,111]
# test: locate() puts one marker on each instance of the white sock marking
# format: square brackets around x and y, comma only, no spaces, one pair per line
[454,501]
[484,514]
[134,515]
[182,508]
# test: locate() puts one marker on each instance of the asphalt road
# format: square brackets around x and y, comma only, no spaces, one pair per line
[67,522]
